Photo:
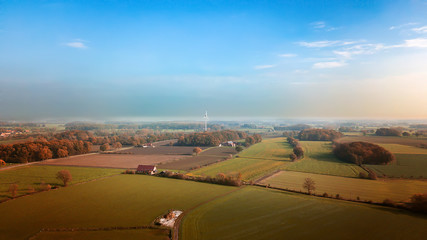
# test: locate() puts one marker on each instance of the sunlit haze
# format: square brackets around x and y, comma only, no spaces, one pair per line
[176,59]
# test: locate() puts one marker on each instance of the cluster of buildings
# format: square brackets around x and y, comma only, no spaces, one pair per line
[8,133]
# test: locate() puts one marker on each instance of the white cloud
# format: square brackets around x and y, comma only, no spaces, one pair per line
[78,43]
[321,65]
[420,29]
[417,43]
[264,66]
[402,25]
[326,43]
[287,55]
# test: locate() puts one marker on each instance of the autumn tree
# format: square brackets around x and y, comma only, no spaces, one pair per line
[64,176]
[419,203]
[117,145]
[293,157]
[62,153]
[299,152]
[105,147]
[309,185]
[197,150]
[13,189]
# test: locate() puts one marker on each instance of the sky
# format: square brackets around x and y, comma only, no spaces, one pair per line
[168,60]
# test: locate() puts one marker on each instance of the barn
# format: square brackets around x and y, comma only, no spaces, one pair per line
[146,169]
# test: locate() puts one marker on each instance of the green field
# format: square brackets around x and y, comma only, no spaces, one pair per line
[254,162]
[411,162]
[273,148]
[119,201]
[32,176]
[155,234]
[256,213]
[350,188]
[251,169]
[318,158]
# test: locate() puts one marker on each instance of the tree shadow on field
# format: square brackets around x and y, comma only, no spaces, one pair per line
[325,157]
[399,211]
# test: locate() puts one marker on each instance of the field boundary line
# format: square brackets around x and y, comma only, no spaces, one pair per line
[94,229]
[175,229]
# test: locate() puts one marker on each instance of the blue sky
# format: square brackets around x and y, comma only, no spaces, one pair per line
[237,59]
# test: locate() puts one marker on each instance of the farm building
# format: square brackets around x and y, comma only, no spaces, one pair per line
[229,144]
[146,169]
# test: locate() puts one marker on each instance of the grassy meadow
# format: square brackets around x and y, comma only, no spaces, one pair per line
[411,162]
[124,200]
[318,158]
[350,188]
[254,162]
[32,176]
[259,213]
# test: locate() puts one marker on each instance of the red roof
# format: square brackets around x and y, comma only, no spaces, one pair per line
[145,168]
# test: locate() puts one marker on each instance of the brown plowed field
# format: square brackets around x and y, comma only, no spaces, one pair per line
[113,160]
[207,157]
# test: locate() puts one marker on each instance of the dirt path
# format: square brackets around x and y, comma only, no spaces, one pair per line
[175,229]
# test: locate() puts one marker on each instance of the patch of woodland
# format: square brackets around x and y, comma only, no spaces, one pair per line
[211,138]
[388,132]
[318,135]
[362,153]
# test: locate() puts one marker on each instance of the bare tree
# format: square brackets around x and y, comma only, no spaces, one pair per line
[309,184]
[64,176]
[13,189]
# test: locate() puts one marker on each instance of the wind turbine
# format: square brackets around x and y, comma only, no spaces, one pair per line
[206,121]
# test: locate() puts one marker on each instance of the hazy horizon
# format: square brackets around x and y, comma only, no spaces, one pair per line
[173,60]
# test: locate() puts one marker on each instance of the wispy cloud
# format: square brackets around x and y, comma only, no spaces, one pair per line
[321,25]
[264,66]
[360,49]
[420,29]
[287,55]
[403,25]
[325,43]
[77,43]
[322,65]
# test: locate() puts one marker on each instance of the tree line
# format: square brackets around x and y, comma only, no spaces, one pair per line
[388,132]
[297,151]
[42,150]
[318,135]
[212,138]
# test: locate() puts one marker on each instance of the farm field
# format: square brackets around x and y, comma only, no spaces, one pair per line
[349,188]
[251,169]
[254,162]
[113,160]
[119,201]
[318,158]
[208,156]
[31,176]
[126,158]
[155,234]
[411,162]
[384,140]
[273,148]
[259,213]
